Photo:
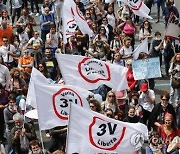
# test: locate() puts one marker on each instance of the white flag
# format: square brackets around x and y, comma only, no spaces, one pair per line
[90,73]
[53,103]
[73,19]
[96,133]
[137,6]
[37,77]
[142,47]
[173,29]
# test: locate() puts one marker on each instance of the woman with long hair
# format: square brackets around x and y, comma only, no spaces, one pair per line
[175,75]
[16,83]
[168,129]
[5,16]
[146,32]
[110,102]
[43,69]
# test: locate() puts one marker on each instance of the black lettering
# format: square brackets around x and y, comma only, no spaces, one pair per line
[103,130]
[111,130]
[65,102]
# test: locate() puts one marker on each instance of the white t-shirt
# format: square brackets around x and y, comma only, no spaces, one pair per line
[16,4]
[143,100]
[54,40]
[126,51]
[4,53]
[23,37]
[111,20]
[34,41]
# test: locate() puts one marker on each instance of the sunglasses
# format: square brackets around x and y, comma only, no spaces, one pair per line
[164,99]
[5,40]
[111,96]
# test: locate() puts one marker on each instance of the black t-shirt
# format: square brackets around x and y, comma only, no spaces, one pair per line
[52,66]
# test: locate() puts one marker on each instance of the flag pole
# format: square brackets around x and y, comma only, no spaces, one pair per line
[66,149]
[42,143]
[40,133]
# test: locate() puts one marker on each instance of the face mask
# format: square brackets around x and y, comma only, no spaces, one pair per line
[98,44]
[87,16]
[18,127]
[16,76]
[37,151]
[157,38]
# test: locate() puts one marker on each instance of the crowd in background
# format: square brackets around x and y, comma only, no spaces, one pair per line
[116,31]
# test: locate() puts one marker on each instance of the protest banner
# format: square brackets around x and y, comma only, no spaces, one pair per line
[96,133]
[90,73]
[53,103]
[37,77]
[146,68]
[173,27]
[72,19]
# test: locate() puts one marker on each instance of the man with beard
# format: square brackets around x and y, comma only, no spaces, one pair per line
[51,64]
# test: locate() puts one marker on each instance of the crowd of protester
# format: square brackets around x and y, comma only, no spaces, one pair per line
[114,38]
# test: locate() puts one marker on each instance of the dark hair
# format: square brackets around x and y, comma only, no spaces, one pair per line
[2,60]
[157,33]
[133,93]
[108,109]
[102,28]
[149,27]
[33,143]
[12,96]
[97,104]
[128,17]
[45,72]
[131,107]
[52,26]
[1,86]
[168,3]
[154,134]
[166,94]
[20,30]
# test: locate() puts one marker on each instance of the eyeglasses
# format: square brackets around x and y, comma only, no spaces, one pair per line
[164,99]
[11,101]
[111,96]
[109,115]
